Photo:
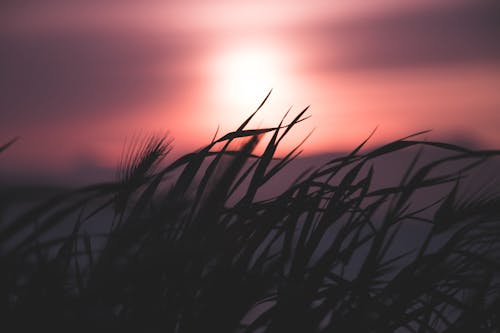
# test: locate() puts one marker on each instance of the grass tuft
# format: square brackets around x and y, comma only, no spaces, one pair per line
[190,246]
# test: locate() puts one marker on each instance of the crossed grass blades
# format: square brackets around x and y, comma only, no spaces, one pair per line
[190,248]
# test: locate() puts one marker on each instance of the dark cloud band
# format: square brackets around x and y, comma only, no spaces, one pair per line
[435,36]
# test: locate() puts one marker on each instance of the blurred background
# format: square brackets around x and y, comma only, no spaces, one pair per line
[78,77]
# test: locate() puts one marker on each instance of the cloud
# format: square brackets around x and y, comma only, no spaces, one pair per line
[65,73]
[463,32]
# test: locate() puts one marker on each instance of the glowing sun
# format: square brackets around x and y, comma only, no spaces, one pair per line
[243,76]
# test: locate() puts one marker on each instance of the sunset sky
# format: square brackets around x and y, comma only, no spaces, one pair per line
[79,76]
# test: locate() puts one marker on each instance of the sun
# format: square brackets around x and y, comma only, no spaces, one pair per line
[240,77]
[244,75]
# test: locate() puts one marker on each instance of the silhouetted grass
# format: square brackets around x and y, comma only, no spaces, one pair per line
[199,252]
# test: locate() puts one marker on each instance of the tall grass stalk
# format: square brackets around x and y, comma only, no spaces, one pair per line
[200,252]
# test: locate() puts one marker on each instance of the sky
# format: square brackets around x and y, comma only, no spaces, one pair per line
[78,77]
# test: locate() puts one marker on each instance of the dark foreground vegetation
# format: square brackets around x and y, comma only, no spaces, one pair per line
[190,247]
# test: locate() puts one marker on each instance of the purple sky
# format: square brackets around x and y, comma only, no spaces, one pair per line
[78,76]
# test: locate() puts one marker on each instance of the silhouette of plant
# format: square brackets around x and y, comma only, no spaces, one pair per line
[190,247]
